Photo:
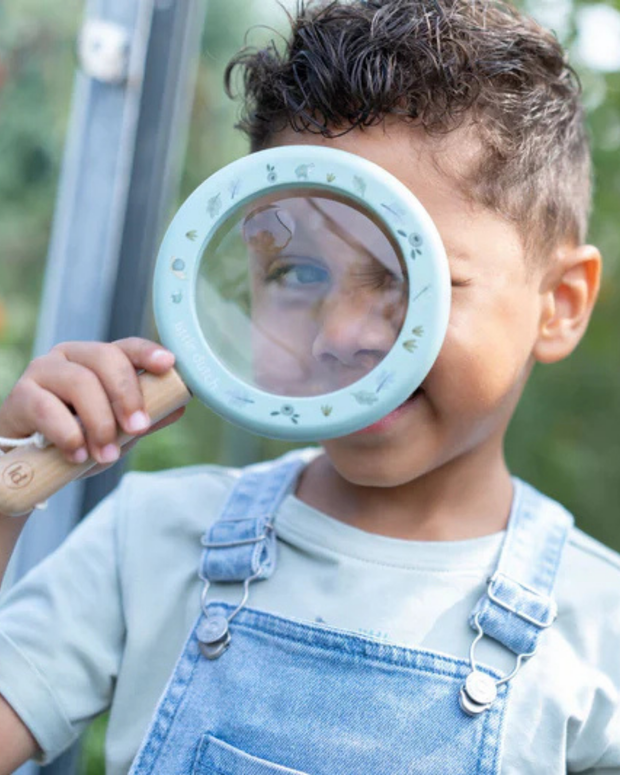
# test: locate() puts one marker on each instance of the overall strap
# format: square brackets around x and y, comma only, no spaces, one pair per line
[518,605]
[241,544]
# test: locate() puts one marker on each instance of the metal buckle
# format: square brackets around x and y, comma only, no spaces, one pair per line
[520,614]
[217,637]
[244,542]
[480,690]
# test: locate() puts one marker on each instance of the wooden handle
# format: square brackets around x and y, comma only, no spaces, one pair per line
[29,475]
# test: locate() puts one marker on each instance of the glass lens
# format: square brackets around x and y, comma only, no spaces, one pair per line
[301,293]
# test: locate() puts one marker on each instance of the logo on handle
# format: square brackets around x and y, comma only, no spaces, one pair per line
[17,475]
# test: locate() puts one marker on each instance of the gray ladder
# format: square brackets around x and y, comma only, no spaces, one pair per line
[129,119]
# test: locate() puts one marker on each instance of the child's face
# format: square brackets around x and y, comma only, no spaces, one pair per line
[472,390]
[328,293]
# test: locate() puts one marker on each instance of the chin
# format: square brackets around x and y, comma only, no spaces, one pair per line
[376,468]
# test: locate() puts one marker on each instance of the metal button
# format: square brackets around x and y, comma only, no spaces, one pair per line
[480,688]
[469,706]
[214,629]
[214,650]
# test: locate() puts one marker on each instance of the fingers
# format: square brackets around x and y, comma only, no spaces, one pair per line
[115,366]
[97,382]
[128,446]
[51,417]
[80,388]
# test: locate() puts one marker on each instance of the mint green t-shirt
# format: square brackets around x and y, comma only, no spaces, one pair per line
[101,622]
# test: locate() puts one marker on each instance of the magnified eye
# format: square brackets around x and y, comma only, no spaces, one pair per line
[298,275]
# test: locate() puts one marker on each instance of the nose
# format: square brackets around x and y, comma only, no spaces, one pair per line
[355,329]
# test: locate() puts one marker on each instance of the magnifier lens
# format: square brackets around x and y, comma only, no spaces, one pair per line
[301,292]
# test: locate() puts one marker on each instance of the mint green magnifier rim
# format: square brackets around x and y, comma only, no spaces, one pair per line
[368,186]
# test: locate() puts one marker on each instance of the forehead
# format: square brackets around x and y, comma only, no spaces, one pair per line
[435,170]
[310,221]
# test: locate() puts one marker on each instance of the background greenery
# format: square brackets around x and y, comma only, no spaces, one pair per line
[564,437]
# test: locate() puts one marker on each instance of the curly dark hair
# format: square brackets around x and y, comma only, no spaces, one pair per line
[439,64]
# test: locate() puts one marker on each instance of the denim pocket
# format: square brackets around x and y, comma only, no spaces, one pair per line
[214,757]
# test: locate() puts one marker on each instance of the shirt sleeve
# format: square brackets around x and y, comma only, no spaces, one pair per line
[596,747]
[594,726]
[61,634]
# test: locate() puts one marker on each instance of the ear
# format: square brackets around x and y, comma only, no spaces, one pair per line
[568,291]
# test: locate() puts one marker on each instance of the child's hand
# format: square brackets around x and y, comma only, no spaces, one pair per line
[95,381]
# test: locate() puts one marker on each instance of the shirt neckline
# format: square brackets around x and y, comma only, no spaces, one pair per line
[299,522]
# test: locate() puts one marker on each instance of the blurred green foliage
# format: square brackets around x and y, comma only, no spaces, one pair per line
[564,438]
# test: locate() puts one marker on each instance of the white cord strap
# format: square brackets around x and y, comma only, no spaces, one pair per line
[37,439]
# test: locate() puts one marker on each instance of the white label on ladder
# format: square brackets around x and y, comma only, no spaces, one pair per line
[103,50]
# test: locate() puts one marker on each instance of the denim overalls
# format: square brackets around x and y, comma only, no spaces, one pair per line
[257,694]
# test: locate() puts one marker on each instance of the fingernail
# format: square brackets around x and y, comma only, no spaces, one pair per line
[139,421]
[81,456]
[162,355]
[109,454]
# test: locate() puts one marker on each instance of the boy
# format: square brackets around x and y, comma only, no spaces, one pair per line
[356,655]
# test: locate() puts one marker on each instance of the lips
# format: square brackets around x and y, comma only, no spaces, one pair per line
[387,422]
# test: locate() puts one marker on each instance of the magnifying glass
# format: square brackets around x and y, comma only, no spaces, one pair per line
[305,293]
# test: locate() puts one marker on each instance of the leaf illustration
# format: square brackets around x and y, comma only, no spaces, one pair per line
[214,205]
[365,398]
[360,185]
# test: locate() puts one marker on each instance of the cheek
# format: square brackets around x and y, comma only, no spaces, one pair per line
[484,356]
[276,353]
